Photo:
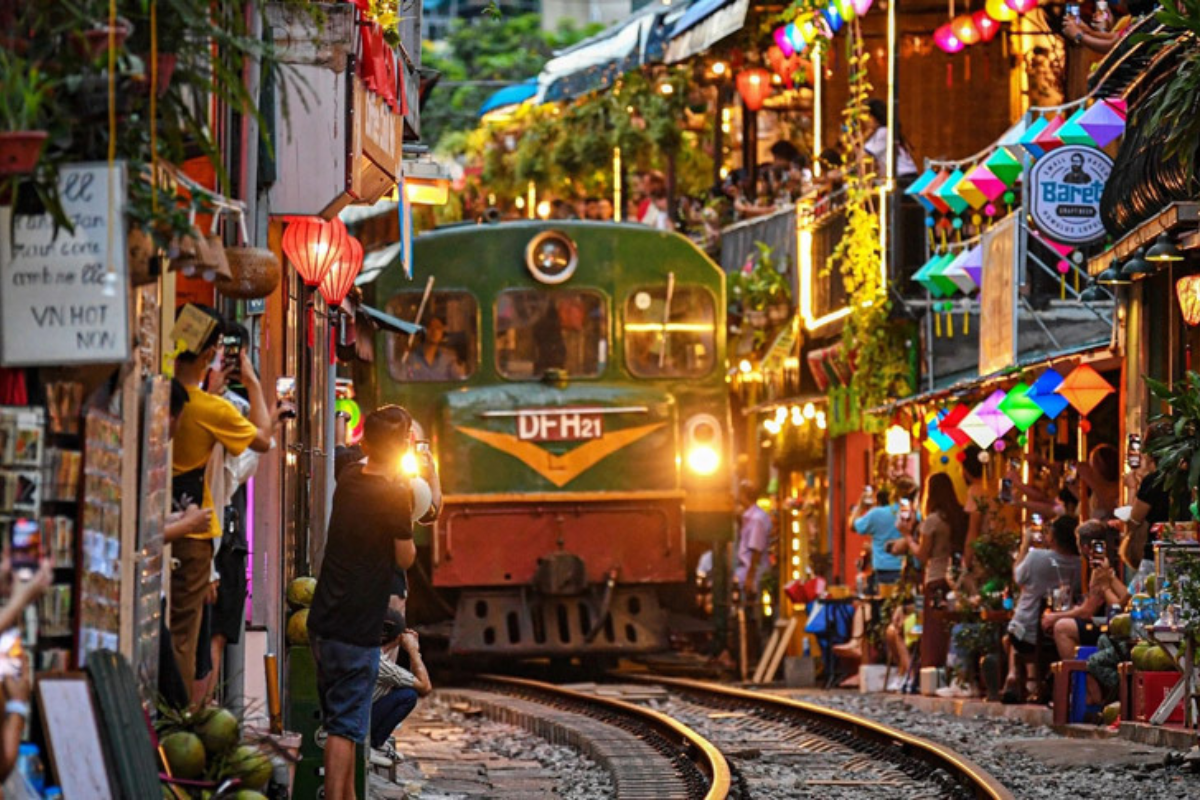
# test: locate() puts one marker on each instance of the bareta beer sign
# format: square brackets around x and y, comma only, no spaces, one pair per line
[1065,188]
[559,425]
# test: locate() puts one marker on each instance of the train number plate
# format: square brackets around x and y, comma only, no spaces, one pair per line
[559,425]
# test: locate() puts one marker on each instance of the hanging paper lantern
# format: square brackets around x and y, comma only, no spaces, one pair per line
[999,11]
[861,7]
[754,85]
[1073,133]
[1021,6]
[1020,408]
[989,411]
[931,192]
[937,274]
[915,188]
[987,27]
[1187,289]
[964,29]
[940,440]
[845,8]
[1044,393]
[1032,132]
[1084,388]
[923,277]
[354,422]
[1102,123]
[969,192]
[972,264]
[986,182]
[946,40]
[1004,166]
[949,194]
[339,280]
[1011,139]
[949,424]
[977,428]
[313,246]
[782,42]
[833,17]
[1048,139]
[956,273]
[1119,105]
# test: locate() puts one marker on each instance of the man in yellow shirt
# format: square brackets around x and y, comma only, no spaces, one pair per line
[206,421]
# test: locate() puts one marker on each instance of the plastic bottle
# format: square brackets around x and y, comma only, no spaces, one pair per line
[29,762]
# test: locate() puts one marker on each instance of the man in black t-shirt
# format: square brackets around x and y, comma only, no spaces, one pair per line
[369,537]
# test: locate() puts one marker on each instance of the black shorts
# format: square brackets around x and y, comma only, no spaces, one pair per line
[1023,647]
[204,662]
[1089,632]
[229,611]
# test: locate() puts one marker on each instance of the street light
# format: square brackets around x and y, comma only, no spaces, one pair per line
[1112,276]
[1093,293]
[1137,265]
[1164,250]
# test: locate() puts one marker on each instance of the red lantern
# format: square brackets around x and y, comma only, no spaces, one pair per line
[313,245]
[964,29]
[988,27]
[339,280]
[754,85]
[946,40]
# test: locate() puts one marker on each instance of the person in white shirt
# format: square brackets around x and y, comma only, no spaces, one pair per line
[397,689]
[875,143]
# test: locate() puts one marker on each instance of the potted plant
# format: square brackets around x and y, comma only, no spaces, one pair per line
[23,94]
[774,285]
[93,42]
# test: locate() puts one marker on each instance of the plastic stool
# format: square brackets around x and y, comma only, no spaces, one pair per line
[1079,708]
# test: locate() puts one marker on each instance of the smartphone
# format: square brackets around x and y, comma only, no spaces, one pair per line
[868,498]
[1006,490]
[233,355]
[1099,547]
[1133,451]
[285,392]
[905,509]
[26,547]
[1073,10]
[11,654]
[1071,474]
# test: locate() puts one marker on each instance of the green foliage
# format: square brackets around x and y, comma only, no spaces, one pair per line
[759,286]
[24,93]
[1174,106]
[1176,451]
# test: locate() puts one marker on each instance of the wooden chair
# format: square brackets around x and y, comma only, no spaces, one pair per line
[1066,710]
[853,650]
[1125,689]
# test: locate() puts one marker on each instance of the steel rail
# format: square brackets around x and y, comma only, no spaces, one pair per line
[973,777]
[703,753]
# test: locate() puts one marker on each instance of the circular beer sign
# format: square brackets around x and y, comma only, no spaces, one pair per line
[1064,193]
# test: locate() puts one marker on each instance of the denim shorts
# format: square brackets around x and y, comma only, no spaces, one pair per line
[345,679]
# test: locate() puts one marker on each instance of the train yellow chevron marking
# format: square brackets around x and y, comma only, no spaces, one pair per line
[561,470]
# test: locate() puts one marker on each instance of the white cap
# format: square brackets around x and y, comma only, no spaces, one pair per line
[1123,513]
[422,498]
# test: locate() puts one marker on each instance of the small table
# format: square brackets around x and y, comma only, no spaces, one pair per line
[835,612]
[1170,640]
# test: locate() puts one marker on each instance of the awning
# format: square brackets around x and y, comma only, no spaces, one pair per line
[390,323]
[376,262]
[597,62]
[510,96]
[704,24]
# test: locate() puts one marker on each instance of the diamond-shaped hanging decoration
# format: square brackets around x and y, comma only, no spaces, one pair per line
[941,440]
[986,182]
[977,428]
[948,191]
[1004,166]
[932,189]
[989,411]
[968,191]
[937,274]
[1073,133]
[1043,392]
[949,424]
[922,276]
[1011,140]
[954,272]
[1102,123]
[972,264]
[1020,408]
[1119,105]
[918,186]
[1029,137]
[1084,388]
[1048,139]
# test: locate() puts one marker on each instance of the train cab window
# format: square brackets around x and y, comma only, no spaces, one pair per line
[675,342]
[447,350]
[539,329]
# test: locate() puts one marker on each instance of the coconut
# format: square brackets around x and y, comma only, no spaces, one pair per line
[1150,585]
[1138,655]
[1120,627]
[1159,660]
[185,754]
[250,764]
[219,731]
[300,592]
[1111,712]
[297,627]
[249,794]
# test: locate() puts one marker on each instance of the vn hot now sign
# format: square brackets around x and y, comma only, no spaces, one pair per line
[559,425]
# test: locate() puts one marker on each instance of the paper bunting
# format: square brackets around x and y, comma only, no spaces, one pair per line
[1084,388]
[918,186]
[1102,123]
[989,411]
[1048,139]
[932,192]
[1043,392]
[948,191]
[1073,133]
[949,424]
[1029,137]
[1011,140]
[940,440]
[922,276]
[1020,407]
[1004,166]
[937,274]
[1118,105]
[977,429]
[986,182]
[972,264]
[971,193]
[955,272]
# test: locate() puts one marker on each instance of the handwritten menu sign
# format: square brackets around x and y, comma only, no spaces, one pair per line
[63,295]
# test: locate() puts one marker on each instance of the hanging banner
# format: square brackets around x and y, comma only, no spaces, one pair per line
[1064,189]
[998,299]
[63,294]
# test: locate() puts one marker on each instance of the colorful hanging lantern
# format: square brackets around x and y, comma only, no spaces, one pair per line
[949,194]
[354,421]
[1119,105]
[1187,289]
[1073,133]
[969,192]
[915,188]
[957,274]
[754,85]
[989,411]
[977,428]
[984,180]
[340,277]
[964,29]
[795,39]
[832,17]
[1044,393]
[861,7]
[1029,137]
[937,275]
[1020,407]
[932,192]
[923,277]
[946,40]
[972,264]
[999,11]
[1011,140]
[313,246]
[940,440]
[1021,6]
[1048,139]
[1084,388]
[1004,166]
[845,8]
[949,424]
[987,27]
[1102,123]
[782,41]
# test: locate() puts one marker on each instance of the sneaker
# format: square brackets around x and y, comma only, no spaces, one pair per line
[896,684]
[955,690]
[380,757]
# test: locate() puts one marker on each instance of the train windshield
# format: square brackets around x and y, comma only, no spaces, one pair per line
[447,350]
[539,330]
[678,341]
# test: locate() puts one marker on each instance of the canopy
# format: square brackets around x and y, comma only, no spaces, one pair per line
[705,23]
[510,96]
[390,323]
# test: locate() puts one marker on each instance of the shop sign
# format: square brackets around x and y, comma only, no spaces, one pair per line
[998,299]
[1065,188]
[63,294]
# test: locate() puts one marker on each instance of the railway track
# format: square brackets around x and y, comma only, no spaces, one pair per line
[703,740]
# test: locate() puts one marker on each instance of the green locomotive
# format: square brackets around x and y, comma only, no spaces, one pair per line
[571,380]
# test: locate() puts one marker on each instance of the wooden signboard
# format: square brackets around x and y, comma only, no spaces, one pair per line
[73,736]
[63,294]
[998,299]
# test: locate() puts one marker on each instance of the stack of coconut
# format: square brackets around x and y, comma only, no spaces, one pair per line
[207,745]
[300,596]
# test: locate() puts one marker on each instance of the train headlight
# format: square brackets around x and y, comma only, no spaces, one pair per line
[409,464]
[703,459]
[702,436]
